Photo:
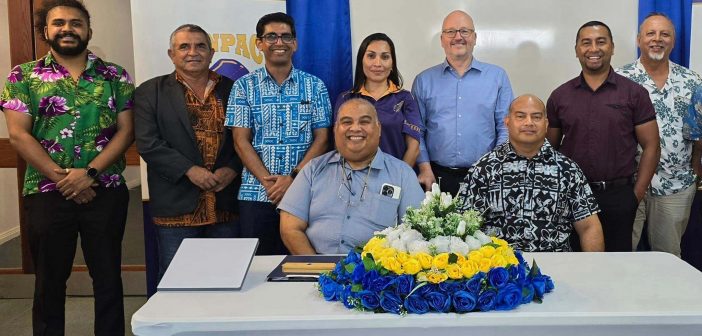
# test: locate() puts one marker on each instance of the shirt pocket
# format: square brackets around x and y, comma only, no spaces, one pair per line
[382,211]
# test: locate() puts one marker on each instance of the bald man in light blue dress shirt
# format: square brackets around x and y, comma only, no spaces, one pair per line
[341,198]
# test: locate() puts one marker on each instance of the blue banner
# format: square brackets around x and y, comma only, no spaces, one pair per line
[324,42]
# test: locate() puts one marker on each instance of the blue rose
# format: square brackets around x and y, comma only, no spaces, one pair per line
[473,285]
[369,299]
[498,277]
[527,293]
[390,302]
[328,287]
[450,286]
[369,277]
[486,300]
[539,283]
[347,297]
[439,301]
[380,283]
[403,284]
[353,257]
[508,297]
[426,288]
[416,304]
[464,301]
[521,260]
[518,274]
[358,273]
[549,284]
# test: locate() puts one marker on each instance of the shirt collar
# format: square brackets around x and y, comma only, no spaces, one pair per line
[543,154]
[49,60]
[377,162]
[611,79]
[392,88]
[474,64]
[267,75]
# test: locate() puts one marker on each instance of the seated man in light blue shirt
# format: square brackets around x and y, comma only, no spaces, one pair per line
[462,103]
[340,198]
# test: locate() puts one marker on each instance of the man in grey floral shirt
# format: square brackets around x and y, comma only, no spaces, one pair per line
[670,86]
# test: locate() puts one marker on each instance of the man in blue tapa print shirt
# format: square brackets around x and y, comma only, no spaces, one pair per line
[281,117]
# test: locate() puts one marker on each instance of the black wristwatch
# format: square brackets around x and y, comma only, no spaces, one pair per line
[91,172]
[294,172]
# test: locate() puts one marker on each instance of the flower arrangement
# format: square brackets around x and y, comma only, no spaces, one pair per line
[437,260]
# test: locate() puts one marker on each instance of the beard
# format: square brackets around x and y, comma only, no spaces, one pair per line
[656,56]
[55,45]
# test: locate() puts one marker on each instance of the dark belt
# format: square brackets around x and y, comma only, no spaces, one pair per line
[607,185]
[449,170]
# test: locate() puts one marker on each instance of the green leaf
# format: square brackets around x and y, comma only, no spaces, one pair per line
[350,267]
[368,262]
[453,258]
[356,287]
[534,269]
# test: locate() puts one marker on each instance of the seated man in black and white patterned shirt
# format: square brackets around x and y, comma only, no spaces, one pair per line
[531,195]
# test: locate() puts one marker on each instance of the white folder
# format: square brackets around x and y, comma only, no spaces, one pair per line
[209,264]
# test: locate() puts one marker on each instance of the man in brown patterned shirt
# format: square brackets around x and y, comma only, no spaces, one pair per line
[191,161]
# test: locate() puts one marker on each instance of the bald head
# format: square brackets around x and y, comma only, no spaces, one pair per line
[458,38]
[527,100]
[356,104]
[457,15]
[357,132]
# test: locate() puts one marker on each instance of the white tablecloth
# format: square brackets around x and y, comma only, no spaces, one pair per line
[596,294]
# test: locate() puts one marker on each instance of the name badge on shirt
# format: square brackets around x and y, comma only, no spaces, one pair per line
[398,106]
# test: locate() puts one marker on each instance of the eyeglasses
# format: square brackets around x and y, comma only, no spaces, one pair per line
[346,184]
[452,32]
[272,38]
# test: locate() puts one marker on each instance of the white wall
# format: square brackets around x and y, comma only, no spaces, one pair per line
[696,38]
[533,40]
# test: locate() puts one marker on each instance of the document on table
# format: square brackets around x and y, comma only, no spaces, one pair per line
[209,264]
[303,268]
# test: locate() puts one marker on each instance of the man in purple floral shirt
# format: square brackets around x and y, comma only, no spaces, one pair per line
[69,116]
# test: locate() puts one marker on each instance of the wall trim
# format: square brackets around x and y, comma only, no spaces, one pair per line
[9,234]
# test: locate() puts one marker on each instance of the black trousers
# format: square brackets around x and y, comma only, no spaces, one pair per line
[53,228]
[618,210]
[450,178]
[261,220]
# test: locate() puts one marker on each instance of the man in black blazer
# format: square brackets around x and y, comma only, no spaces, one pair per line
[180,133]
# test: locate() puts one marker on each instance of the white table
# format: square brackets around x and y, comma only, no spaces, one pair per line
[596,294]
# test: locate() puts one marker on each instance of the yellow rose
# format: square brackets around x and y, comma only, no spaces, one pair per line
[373,243]
[424,259]
[411,266]
[513,260]
[402,257]
[484,265]
[436,277]
[440,260]
[460,259]
[499,241]
[388,252]
[422,277]
[454,271]
[498,260]
[502,250]
[469,268]
[475,256]
[391,264]
[487,251]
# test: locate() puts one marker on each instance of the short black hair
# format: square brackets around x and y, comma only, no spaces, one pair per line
[275,17]
[47,5]
[592,24]
[360,76]
[192,28]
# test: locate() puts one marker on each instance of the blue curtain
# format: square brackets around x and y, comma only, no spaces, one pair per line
[324,41]
[680,12]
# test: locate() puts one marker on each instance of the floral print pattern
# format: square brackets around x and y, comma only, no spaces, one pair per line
[674,172]
[73,120]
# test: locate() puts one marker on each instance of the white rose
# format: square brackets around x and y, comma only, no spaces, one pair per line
[399,245]
[473,243]
[461,229]
[482,237]
[410,235]
[441,243]
[445,200]
[458,246]
[435,189]
[418,246]
[393,235]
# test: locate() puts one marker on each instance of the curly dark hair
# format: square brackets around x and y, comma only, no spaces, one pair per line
[41,13]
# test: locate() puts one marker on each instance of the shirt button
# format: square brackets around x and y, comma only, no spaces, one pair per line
[348,217]
[459,115]
[280,141]
[342,241]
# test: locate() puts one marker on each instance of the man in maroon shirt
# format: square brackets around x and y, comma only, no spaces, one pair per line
[603,117]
